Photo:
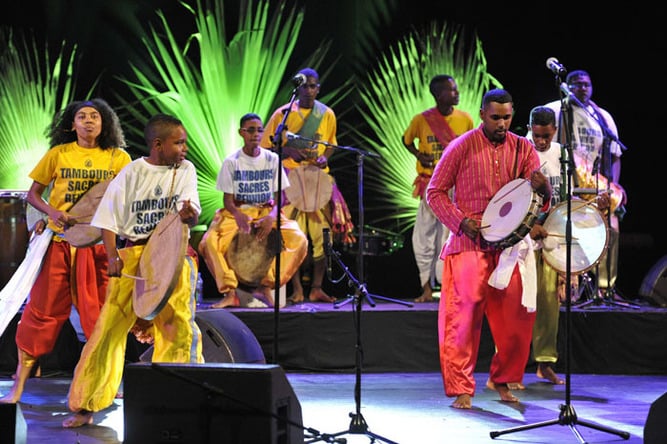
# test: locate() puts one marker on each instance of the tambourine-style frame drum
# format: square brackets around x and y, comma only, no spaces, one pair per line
[310,188]
[250,258]
[511,214]
[13,232]
[82,234]
[589,237]
[160,266]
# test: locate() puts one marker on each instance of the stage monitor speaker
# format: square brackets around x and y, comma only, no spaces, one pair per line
[655,429]
[654,285]
[225,338]
[13,429]
[210,403]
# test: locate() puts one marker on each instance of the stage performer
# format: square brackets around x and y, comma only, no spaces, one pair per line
[249,180]
[313,120]
[434,129]
[86,147]
[477,165]
[136,200]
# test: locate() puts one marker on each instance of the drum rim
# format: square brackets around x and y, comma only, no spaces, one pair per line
[525,225]
[546,256]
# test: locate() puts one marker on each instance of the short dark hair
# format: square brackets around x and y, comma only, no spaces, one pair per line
[249,116]
[437,83]
[543,116]
[496,95]
[310,72]
[159,126]
[574,74]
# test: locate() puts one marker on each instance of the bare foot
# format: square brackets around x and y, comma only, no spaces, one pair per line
[10,398]
[263,294]
[502,389]
[516,386]
[230,300]
[427,294]
[296,297]
[317,295]
[462,402]
[545,371]
[82,418]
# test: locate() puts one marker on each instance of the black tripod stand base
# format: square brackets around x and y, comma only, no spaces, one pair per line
[358,426]
[567,417]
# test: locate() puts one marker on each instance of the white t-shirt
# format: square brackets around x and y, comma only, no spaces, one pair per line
[587,133]
[142,194]
[252,180]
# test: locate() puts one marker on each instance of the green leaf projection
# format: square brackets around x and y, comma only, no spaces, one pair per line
[210,81]
[32,89]
[397,89]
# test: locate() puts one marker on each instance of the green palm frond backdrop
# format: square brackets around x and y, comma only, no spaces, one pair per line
[396,90]
[32,89]
[229,79]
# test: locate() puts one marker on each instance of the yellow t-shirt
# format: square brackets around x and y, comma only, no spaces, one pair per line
[459,121]
[326,131]
[74,170]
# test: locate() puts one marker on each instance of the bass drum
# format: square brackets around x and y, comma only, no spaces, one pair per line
[589,237]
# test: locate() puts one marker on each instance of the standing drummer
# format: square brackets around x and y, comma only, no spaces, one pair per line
[143,193]
[86,142]
[477,165]
[249,182]
[309,119]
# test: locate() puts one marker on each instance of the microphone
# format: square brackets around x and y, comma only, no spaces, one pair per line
[299,79]
[326,235]
[554,65]
[565,89]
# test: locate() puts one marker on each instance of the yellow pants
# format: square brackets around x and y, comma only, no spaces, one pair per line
[219,236]
[177,337]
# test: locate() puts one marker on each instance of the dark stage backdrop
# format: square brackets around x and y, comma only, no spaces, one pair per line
[620,49]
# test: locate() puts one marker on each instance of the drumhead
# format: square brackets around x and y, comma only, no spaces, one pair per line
[310,188]
[249,258]
[589,237]
[82,234]
[511,213]
[160,266]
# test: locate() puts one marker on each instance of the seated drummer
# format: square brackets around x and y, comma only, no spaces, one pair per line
[249,180]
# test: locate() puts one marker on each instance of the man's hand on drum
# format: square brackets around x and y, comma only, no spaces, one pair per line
[62,219]
[538,232]
[322,161]
[242,222]
[540,183]
[603,201]
[470,227]
[264,226]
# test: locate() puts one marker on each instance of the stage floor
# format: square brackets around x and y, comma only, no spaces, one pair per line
[406,408]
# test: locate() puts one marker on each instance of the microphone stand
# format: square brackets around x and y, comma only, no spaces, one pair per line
[358,425]
[278,147]
[567,414]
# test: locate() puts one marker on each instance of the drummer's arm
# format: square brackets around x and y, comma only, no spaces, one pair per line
[188,214]
[34,198]
[115,262]
[240,218]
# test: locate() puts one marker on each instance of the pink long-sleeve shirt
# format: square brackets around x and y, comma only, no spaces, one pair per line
[476,169]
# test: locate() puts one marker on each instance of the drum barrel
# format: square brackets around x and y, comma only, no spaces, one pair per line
[13,233]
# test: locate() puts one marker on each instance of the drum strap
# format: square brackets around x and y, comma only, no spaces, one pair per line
[441,129]
[310,125]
